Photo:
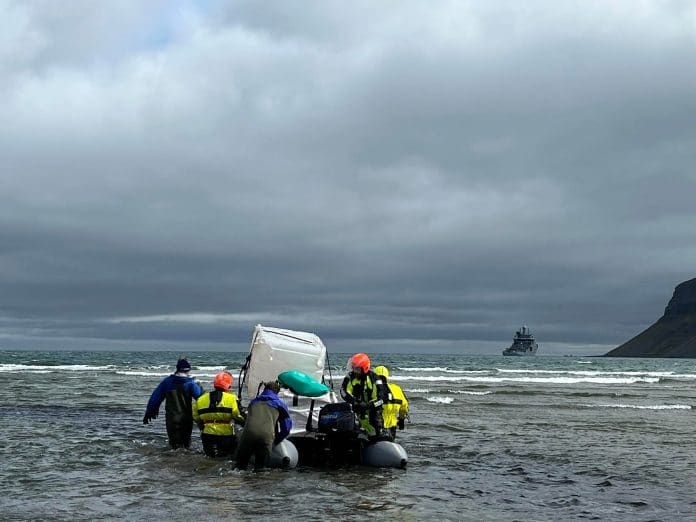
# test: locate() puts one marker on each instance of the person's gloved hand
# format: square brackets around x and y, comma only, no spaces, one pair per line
[384,435]
[148,418]
[401,423]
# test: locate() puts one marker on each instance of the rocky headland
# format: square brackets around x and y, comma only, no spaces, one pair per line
[673,335]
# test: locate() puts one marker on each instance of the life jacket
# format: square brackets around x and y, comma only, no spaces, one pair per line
[364,388]
[370,389]
[215,411]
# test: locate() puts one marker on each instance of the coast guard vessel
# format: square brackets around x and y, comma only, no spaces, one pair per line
[522,344]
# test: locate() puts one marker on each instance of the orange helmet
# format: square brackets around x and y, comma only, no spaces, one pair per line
[360,360]
[223,381]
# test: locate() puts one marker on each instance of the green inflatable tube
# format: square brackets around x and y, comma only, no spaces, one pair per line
[302,384]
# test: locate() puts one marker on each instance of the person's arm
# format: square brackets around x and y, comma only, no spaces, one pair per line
[403,411]
[152,409]
[380,392]
[196,390]
[345,394]
[284,425]
[236,411]
[196,417]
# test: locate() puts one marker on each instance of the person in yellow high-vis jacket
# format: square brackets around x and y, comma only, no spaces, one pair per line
[395,409]
[214,412]
[364,390]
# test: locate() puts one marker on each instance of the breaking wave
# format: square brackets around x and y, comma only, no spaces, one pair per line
[593,373]
[47,368]
[143,374]
[439,369]
[537,380]
[642,407]
[441,400]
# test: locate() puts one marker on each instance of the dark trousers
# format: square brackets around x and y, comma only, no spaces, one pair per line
[218,445]
[179,434]
[259,449]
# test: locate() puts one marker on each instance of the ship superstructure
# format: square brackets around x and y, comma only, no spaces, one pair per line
[522,344]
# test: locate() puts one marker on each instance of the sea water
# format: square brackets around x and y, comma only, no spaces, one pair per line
[490,438]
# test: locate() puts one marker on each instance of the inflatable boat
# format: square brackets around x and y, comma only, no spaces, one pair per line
[325,430]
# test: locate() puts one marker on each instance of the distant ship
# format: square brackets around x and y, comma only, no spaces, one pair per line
[522,344]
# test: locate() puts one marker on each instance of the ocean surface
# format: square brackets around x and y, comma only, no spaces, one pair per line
[490,438]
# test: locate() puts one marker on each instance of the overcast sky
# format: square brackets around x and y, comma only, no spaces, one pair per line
[402,176]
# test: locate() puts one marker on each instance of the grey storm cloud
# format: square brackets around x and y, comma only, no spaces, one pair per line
[401,175]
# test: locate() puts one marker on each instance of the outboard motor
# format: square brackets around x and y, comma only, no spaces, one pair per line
[337,418]
[338,431]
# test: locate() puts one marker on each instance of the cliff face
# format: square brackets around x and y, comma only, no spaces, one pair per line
[673,335]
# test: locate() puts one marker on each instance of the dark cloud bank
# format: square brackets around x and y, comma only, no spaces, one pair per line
[421,178]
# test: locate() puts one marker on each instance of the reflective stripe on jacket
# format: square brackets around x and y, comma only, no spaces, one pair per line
[368,389]
[216,419]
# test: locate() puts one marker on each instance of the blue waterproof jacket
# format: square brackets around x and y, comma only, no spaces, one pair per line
[170,384]
[284,421]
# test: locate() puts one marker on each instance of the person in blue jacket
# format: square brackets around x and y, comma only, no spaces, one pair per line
[178,390]
[267,423]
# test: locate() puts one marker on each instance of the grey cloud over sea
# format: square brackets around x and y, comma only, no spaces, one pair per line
[402,175]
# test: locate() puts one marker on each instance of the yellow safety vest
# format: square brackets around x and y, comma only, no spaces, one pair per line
[365,390]
[216,420]
[368,394]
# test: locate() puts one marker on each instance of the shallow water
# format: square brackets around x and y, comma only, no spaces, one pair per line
[491,438]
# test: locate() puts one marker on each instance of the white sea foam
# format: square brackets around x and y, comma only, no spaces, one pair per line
[32,371]
[418,390]
[143,374]
[583,362]
[589,373]
[642,407]
[463,392]
[439,369]
[687,376]
[441,400]
[432,369]
[45,368]
[538,380]
[150,373]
